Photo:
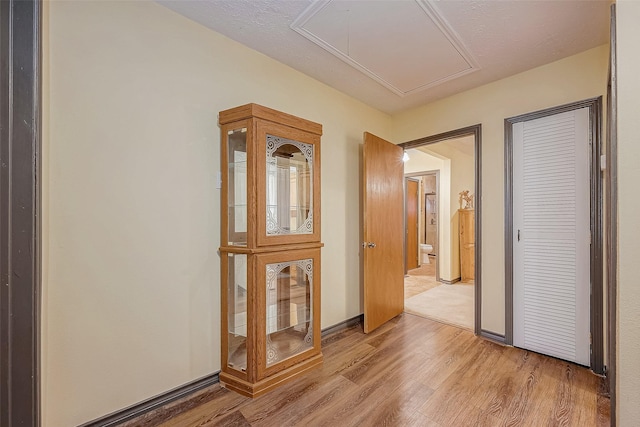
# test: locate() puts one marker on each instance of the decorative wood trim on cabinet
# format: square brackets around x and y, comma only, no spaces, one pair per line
[258,111]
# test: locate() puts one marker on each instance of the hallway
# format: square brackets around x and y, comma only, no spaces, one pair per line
[447,377]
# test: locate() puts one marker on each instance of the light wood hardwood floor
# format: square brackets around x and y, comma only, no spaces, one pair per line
[411,372]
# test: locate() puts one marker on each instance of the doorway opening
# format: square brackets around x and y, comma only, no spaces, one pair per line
[442,217]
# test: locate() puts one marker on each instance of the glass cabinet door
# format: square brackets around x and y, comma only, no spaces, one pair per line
[237,311]
[237,187]
[289,186]
[289,326]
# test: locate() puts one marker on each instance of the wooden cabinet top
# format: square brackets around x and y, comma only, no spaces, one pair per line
[258,111]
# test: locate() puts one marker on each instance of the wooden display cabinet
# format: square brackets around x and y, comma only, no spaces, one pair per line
[467,244]
[270,250]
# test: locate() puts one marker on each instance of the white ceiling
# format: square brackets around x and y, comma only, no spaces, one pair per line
[464,144]
[398,54]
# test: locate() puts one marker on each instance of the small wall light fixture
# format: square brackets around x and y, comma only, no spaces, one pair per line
[405,157]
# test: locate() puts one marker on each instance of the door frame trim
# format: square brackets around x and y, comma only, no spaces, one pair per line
[20,211]
[611,213]
[595,185]
[476,131]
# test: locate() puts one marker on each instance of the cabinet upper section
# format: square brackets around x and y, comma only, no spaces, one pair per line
[270,178]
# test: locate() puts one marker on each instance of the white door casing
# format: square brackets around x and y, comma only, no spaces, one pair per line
[551,235]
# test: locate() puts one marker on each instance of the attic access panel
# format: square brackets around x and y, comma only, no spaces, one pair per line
[404,45]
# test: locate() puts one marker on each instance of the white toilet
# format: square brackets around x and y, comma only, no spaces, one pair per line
[425,250]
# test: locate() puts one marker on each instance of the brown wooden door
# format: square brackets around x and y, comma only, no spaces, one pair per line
[383,231]
[411,210]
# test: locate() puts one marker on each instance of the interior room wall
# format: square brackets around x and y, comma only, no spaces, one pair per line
[131,293]
[628,354]
[567,80]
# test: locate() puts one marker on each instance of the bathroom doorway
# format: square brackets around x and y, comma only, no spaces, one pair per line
[445,286]
[421,201]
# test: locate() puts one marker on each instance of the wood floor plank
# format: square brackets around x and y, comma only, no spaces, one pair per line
[234,419]
[348,358]
[400,406]
[267,405]
[548,399]
[500,389]
[376,364]
[403,333]
[418,419]
[411,372]
[586,409]
[309,403]
[604,412]
[338,341]
[454,393]
[522,403]
[473,416]
[342,411]
[223,403]
[453,354]
[447,402]
[481,363]
[562,412]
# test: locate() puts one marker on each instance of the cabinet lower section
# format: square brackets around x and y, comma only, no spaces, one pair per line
[271,330]
[256,389]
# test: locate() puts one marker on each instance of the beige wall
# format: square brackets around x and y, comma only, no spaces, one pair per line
[628,355]
[131,304]
[571,79]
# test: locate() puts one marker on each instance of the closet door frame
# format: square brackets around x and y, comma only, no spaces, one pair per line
[596,309]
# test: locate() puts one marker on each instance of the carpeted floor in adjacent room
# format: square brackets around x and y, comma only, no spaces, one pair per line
[426,297]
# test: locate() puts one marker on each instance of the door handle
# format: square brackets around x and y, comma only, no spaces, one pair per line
[518,235]
[371,245]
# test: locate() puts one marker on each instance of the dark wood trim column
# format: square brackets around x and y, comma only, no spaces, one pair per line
[20,121]
[611,226]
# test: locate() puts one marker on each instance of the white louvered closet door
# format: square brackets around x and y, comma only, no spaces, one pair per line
[551,241]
